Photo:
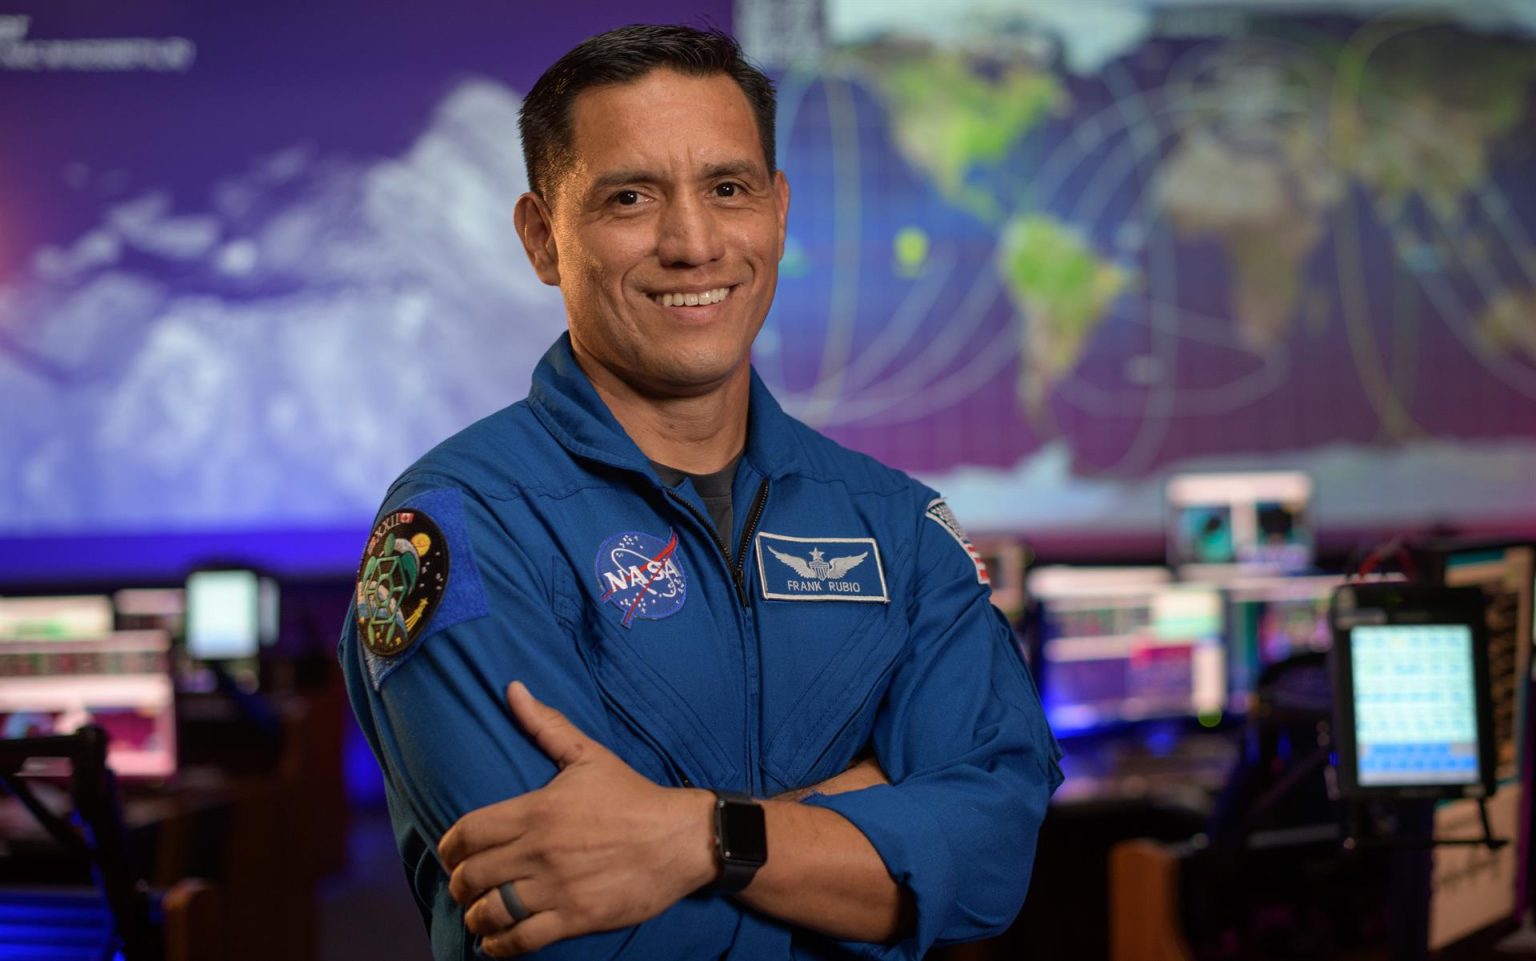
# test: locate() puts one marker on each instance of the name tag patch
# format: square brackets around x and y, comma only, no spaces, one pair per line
[820,568]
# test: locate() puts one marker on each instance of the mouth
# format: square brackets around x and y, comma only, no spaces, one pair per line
[692,298]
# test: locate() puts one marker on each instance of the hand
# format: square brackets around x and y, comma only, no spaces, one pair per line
[863,773]
[597,848]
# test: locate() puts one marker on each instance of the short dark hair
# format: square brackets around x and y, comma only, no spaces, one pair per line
[622,56]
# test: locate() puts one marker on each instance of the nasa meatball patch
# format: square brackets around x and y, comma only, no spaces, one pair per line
[642,575]
[400,582]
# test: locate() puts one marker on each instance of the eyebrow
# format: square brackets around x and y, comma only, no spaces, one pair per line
[731,168]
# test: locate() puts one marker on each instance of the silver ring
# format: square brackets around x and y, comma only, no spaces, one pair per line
[513,903]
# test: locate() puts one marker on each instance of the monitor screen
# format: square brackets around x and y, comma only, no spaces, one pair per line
[55,617]
[1131,654]
[156,608]
[229,614]
[1220,523]
[1413,715]
[1415,705]
[119,681]
[1271,619]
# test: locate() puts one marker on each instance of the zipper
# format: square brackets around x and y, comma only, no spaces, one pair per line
[738,575]
[759,504]
[737,569]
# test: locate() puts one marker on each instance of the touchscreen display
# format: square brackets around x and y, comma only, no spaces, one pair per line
[1415,704]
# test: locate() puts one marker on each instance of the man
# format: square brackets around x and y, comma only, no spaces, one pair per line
[761,706]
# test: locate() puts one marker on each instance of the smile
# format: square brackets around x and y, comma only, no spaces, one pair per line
[692,298]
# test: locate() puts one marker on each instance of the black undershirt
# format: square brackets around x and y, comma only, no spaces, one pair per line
[714,489]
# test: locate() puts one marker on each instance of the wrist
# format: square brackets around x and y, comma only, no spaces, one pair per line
[702,863]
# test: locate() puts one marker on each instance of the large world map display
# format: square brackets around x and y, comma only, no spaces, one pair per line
[1046,258]
[1042,260]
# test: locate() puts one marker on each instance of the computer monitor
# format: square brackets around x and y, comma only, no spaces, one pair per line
[1270,619]
[151,609]
[86,615]
[1128,652]
[119,681]
[1222,524]
[230,614]
[1413,715]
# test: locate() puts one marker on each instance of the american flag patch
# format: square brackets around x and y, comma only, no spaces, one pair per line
[939,512]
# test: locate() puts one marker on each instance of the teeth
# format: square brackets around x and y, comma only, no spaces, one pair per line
[692,300]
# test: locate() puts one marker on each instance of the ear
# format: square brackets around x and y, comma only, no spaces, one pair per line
[536,229]
[781,201]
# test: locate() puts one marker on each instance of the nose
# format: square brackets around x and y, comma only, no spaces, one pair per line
[689,234]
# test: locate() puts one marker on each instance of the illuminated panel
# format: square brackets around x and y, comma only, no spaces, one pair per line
[223,615]
[1219,524]
[1130,652]
[55,617]
[120,682]
[1415,704]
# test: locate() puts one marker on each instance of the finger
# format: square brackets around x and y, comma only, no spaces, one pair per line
[489,914]
[559,739]
[479,830]
[541,929]
[480,873]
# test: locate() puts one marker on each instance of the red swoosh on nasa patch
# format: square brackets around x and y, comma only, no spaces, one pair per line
[666,552]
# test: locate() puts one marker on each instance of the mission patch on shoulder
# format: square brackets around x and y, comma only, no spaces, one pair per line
[400,582]
[938,511]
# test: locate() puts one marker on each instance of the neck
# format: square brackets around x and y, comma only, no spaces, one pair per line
[694,433]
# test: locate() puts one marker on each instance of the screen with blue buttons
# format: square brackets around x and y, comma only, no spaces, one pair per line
[1415,704]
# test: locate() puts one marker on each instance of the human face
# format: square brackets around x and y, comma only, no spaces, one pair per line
[664,235]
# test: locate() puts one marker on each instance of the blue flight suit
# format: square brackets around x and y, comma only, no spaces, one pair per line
[854,618]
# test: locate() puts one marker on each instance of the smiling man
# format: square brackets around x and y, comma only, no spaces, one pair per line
[675,676]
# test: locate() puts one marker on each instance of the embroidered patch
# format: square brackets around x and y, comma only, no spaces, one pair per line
[820,568]
[400,582]
[642,575]
[939,511]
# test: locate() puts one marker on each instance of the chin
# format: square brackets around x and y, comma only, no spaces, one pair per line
[685,379]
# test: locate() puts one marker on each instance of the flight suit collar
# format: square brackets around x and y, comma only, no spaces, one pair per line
[569,407]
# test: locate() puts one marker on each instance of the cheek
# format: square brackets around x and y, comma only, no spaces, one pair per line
[761,240]
[587,281]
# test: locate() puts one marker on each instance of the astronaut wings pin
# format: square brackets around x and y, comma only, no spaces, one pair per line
[818,567]
[821,568]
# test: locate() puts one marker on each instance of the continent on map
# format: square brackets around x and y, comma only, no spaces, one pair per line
[951,119]
[1508,324]
[1062,291]
[1420,113]
[1266,211]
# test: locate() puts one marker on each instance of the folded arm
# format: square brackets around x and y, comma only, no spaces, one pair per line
[601,848]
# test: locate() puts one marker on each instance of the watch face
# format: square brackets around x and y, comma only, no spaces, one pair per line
[743,834]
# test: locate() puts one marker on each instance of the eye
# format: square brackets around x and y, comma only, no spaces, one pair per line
[727,189]
[627,198]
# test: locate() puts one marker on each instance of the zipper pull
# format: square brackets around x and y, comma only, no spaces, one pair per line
[741,587]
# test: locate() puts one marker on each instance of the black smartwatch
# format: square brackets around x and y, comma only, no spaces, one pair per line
[741,840]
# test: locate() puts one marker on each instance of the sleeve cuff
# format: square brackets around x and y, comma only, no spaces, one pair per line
[896,826]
